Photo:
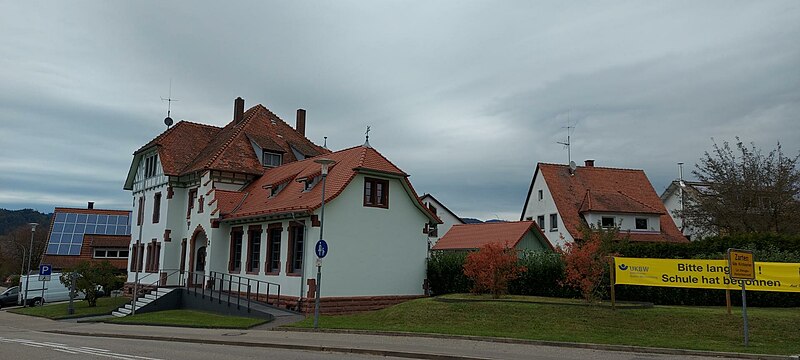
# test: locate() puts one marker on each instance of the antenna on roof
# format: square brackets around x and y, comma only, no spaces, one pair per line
[366,143]
[568,143]
[325,142]
[169,100]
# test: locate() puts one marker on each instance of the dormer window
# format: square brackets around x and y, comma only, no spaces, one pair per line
[275,189]
[272,159]
[308,183]
[607,222]
[150,165]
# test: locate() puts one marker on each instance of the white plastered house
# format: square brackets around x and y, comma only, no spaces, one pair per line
[245,201]
[562,200]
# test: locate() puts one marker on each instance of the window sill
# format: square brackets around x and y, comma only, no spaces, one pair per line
[377,206]
[272,273]
[553,230]
[294,274]
[252,273]
[233,271]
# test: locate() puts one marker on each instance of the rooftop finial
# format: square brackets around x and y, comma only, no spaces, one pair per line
[366,143]
[169,100]
[325,142]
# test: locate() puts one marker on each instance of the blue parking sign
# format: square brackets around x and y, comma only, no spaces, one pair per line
[45,269]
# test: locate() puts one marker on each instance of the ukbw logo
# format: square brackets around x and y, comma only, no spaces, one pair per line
[623,267]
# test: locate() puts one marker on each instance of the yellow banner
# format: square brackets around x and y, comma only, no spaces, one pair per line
[704,274]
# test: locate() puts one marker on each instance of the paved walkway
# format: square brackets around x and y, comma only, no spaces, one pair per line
[402,346]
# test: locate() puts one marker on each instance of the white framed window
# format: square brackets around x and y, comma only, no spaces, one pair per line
[641,224]
[553,222]
[272,159]
[607,221]
[540,221]
[541,195]
[150,165]
[110,253]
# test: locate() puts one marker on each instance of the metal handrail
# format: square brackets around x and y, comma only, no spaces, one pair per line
[141,289]
[249,282]
[243,285]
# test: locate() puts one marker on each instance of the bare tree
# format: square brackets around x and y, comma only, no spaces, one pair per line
[14,248]
[748,191]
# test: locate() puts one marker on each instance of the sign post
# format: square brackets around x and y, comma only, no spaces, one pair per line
[45,271]
[321,249]
[742,267]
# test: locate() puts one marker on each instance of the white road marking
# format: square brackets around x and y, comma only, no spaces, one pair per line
[93,349]
[76,350]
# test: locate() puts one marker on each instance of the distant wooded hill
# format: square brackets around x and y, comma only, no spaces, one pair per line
[12,219]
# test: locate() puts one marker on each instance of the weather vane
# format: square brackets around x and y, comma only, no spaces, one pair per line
[169,100]
[366,143]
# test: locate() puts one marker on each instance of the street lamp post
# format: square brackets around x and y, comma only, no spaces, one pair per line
[325,164]
[30,255]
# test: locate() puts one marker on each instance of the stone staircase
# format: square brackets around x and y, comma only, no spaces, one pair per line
[142,301]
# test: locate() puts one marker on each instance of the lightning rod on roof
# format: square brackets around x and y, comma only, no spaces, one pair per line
[568,144]
[169,100]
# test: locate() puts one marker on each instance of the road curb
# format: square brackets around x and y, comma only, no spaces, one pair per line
[606,347]
[360,351]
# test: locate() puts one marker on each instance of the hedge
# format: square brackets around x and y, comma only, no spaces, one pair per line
[546,270]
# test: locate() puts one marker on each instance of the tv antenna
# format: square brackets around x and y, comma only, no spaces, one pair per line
[168,120]
[568,144]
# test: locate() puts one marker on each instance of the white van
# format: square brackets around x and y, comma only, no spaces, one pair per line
[54,290]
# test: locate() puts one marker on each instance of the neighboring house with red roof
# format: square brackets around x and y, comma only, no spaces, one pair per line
[562,200]
[436,231]
[89,234]
[245,200]
[520,235]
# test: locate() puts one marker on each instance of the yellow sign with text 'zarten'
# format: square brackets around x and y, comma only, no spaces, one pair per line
[741,264]
[704,274]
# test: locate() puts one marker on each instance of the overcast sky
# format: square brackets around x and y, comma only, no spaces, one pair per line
[466,96]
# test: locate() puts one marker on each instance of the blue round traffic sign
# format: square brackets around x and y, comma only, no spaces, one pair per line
[321,249]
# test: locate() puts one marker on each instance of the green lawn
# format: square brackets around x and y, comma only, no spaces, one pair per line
[772,330]
[104,306]
[189,318]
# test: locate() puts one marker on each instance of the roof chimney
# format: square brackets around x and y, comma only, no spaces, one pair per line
[588,163]
[300,126]
[91,205]
[238,110]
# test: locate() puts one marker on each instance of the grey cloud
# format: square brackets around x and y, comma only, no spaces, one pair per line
[466,97]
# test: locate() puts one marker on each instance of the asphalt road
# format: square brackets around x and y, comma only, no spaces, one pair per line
[36,345]
[23,337]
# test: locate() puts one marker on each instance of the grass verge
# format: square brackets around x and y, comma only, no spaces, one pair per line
[189,318]
[104,306]
[772,330]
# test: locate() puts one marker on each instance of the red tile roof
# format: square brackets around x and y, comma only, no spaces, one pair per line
[474,236]
[616,202]
[604,189]
[188,147]
[256,199]
[231,148]
[180,145]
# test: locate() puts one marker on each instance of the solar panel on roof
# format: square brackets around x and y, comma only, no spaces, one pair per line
[68,230]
